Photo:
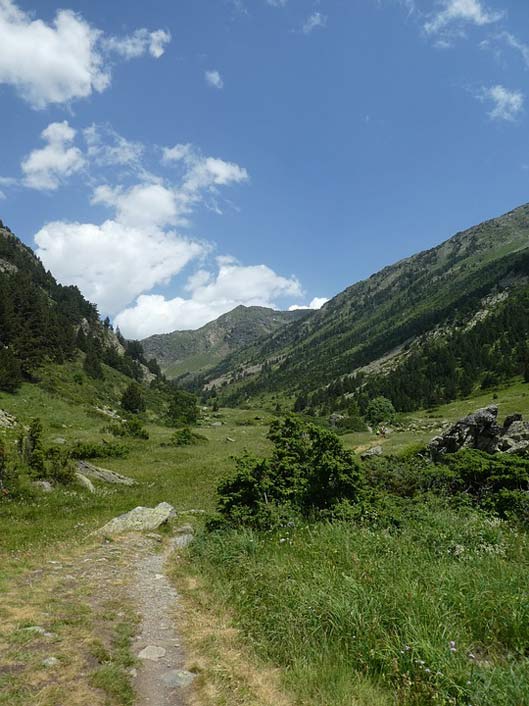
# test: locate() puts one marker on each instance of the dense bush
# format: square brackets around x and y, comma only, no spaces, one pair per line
[183,408]
[380,410]
[309,470]
[132,427]
[133,399]
[185,437]
[102,449]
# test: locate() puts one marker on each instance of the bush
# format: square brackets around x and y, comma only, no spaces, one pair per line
[185,437]
[309,471]
[380,410]
[183,409]
[102,449]
[132,399]
[132,427]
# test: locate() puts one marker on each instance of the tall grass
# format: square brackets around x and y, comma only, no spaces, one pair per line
[436,613]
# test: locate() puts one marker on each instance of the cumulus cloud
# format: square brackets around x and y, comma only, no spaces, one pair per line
[113,262]
[314,21]
[506,104]
[316,303]
[214,79]
[45,169]
[210,295]
[61,61]
[137,248]
[462,12]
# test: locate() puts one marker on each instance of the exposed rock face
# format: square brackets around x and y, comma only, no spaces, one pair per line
[140,519]
[481,431]
[373,451]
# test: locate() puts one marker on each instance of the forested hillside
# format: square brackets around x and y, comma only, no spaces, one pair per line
[412,306]
[43,321]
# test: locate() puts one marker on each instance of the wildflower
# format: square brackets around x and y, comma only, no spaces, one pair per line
[427,670]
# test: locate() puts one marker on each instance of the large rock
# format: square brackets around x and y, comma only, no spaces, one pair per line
[481,431]
[7,421]
[103,474]
[140,519]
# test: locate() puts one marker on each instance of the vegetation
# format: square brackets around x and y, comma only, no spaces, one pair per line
[133,399]
[183,408]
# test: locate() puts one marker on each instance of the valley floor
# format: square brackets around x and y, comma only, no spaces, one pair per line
[255,614]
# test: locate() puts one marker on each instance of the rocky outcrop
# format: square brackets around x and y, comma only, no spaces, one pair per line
[7,421]
[140,519]
[481,431]
[103,474]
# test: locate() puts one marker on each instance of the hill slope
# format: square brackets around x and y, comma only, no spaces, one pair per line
[183,352]
[376,318]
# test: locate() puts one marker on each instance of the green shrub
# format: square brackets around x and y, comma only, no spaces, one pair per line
[133,399]
[102,449]
[132,427]
[309,471]
[183,408]
[185,437]
[380,410]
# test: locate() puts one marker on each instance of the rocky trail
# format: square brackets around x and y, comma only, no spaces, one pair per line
[95,627]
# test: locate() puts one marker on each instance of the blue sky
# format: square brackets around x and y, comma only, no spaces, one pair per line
[175,159]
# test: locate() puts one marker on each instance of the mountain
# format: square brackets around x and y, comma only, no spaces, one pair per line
[411,308]
[197,351]
[43,321]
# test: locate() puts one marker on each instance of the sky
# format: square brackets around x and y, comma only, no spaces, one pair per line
[177,158]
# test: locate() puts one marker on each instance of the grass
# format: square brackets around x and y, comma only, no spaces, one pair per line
[271,621]
[356,616]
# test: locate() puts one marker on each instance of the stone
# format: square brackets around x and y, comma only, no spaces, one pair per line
[178,678]
[59,440]
[102,474]
[185,529]
[481,431]
[85,482]
[152,652]
[43,485]
[139,519]
[7,421]
[373,451]
[50,662]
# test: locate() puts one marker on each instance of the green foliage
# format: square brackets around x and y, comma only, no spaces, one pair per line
[309,470]
[102,449]
[52,463]
[380,410]
[183,408]
[186,437]
[10,371]
[133,399]
[92,364]
[132,427]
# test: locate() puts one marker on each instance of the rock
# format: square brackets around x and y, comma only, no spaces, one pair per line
[140,519]
[59,440]
[152,652]
[373,451]
[178,678]
[184,529]
[85,482]
[228,438]
[39,630]
[43,485]
[7,421]
[216,424]
[481,431]
[50,662]
[102,474]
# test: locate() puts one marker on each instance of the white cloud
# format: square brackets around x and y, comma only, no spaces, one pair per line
[107,148]
[516,44]
[461,11]
[506,105]
[61,61]
[277,3]
[142,205]
[211,294]
[316,303]
[136,249]
[44,169]
[314,21]
[113,263]
[139,43]
[2,196]
[214,79]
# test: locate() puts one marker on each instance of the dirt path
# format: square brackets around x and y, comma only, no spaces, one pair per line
[161,679]
[94,627]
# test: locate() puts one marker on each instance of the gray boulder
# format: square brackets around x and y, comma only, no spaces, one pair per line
[373,451]
[139,520]
[103,474]
[481,431]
